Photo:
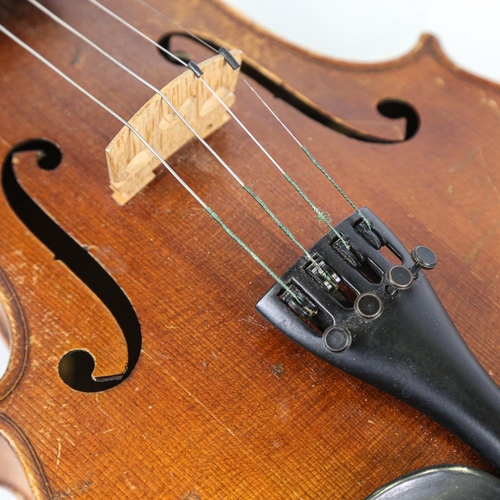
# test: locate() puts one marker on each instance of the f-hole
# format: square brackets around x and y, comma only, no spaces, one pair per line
[76,367]
[396,108]
[389,108]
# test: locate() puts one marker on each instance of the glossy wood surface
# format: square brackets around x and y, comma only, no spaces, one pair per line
[220,404]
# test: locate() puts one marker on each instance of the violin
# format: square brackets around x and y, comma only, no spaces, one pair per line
[139,365]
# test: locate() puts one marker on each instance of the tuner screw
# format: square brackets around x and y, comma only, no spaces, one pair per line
[398,278]
[424,258]
[337,338]
[368,306]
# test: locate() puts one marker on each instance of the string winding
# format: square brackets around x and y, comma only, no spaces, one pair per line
[273,113]
[309,155]
[320,215]
[124,122]
[268,211]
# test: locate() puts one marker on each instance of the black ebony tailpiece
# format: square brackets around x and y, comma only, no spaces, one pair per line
[384,324]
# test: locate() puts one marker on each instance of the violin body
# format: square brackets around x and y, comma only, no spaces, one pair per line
[216,402]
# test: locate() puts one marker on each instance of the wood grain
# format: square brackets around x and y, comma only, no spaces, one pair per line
[221,405]
[131,164]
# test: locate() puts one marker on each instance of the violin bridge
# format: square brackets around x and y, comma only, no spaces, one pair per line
[131,165]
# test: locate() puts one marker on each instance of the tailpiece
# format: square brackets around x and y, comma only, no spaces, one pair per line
[384,324]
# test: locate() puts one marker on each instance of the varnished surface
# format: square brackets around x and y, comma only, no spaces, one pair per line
[220,404]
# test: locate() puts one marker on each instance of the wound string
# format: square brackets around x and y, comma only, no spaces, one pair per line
[192,35]
[309,155]
[274,114]
[262,204]
[139,32]
[322,216]
[212,213]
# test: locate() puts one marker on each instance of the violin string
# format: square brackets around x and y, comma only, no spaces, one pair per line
[273,113]
[137,31]
[322,216]
[256,198]
[309,154]
[186,186]
[162,14]
[122,66]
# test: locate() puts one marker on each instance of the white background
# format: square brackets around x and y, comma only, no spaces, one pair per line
[379,30]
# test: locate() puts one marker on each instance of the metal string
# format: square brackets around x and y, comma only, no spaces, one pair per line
[192,35]
[139,32]
[309,154]
[211,212]
[274,114]
[322,216]
[261,203]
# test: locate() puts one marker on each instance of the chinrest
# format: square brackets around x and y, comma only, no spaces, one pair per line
[444,482]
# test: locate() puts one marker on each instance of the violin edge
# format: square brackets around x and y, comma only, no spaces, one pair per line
[17,330]
[426,43]
[29,462]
